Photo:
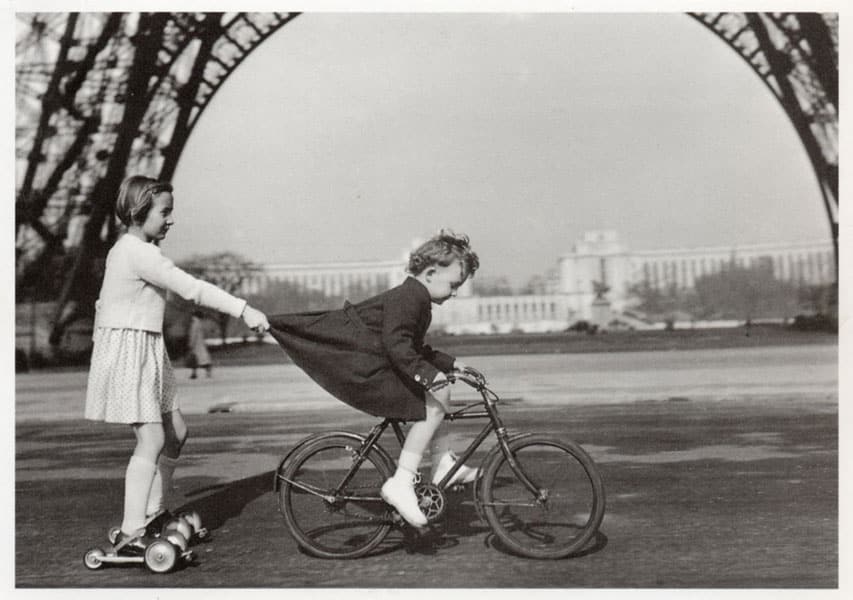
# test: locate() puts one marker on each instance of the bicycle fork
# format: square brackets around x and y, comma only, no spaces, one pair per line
[540,494]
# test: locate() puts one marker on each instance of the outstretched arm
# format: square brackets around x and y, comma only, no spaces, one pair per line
[158,270]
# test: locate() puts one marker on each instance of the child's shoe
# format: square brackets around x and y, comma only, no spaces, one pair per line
[463,474]
[400,493]
[157,521]
[132,545]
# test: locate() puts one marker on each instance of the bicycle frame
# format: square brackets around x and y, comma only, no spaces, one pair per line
[495,424]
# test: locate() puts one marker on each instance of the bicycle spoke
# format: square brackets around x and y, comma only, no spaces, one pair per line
[327,519]
[563,514]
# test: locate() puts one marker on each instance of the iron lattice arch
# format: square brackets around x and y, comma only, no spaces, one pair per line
[100,95]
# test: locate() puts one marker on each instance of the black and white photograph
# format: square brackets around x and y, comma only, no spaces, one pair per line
[426,297]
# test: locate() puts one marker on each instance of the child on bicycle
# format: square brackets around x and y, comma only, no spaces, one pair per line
[130,378]
[372,356]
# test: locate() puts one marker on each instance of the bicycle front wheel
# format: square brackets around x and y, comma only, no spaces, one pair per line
[331,506]
[560,515]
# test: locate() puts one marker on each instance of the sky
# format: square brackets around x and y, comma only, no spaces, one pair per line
[349,136]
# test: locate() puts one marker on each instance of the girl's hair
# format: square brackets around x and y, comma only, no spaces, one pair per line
[135,197]
[443,249]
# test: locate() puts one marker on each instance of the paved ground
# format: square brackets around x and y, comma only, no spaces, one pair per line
[701,494]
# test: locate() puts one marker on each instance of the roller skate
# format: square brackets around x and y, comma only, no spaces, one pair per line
[159,554]
[153,526]
[186,525]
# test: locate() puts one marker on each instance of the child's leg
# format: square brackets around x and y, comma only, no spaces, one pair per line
[175,433]
[421,433]
[140,475]
[443,458]
[399,490]
[440,443]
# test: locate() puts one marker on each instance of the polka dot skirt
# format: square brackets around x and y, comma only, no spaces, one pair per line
[130,377]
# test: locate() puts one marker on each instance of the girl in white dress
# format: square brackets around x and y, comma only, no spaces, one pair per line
[130,377]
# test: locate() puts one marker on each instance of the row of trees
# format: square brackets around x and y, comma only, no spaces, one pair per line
[736,292]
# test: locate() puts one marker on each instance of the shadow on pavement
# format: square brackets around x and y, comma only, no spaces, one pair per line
[225,501]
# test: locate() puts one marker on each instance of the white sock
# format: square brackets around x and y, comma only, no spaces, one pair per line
[137,486]
[407,465]
[155,496]
[162,485]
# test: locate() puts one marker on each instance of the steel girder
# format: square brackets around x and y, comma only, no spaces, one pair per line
[796,56]
[100,95]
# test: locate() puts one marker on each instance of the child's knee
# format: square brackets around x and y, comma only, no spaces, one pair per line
[150,440]
[442,397]
[177,440]
[181,434]
[176,431]
[436,407]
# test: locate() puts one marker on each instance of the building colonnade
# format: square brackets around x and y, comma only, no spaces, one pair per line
[598,268]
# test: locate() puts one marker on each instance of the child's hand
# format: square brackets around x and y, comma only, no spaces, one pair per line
[255,319]
[463,368]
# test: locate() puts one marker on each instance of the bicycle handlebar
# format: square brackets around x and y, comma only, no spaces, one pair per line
[469,375]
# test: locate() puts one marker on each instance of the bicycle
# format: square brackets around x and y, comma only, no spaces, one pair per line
[541,496]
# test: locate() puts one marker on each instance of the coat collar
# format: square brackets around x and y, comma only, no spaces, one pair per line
[418,288]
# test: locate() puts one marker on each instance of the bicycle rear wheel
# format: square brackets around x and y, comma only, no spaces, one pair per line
[326,521]
[561,516]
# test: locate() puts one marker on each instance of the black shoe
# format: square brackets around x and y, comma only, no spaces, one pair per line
[156,524]
[129,545]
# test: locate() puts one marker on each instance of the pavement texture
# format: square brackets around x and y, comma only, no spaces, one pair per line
[700,494]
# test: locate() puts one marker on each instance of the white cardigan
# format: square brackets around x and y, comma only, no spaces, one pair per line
[137,277]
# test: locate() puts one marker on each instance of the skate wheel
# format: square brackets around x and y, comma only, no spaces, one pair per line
[94,559]
[181,526]
[193,518]
[176,538]
[160,556]
[112,534]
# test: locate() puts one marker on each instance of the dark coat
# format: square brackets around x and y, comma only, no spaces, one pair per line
[370,355]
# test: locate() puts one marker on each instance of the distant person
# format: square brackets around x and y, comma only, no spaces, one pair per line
[198,357]
[130,378]
[372,356]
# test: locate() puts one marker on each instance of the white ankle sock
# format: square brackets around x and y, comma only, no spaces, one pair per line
[408,464]
[137,486]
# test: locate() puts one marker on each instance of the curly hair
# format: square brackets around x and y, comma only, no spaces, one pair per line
[135,197]
[442,249]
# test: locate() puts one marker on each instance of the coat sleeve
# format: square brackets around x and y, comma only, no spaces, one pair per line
[158,270]
[400,339]
[444,362]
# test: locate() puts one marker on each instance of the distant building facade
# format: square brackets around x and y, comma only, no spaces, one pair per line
[332,279]
[598,269]
[600,258]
